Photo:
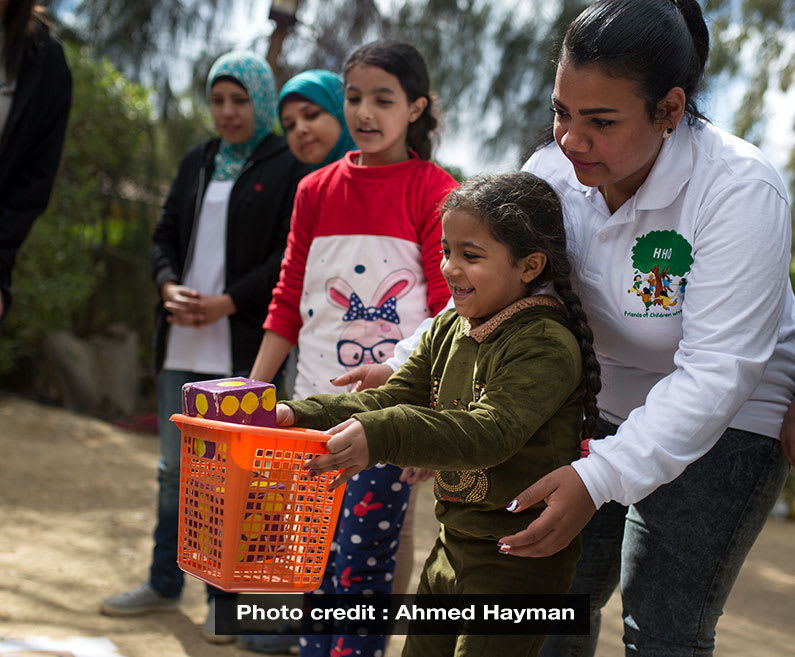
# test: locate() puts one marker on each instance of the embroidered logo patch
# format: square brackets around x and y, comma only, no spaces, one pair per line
[661,260]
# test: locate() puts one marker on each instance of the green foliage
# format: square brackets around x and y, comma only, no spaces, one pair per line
[488,58]
[757,34]
[89,229]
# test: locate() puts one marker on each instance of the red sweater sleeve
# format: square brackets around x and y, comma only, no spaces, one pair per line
[284,316]
[439,184]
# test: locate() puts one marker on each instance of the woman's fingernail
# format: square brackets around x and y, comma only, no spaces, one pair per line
[504,549]
[512,506]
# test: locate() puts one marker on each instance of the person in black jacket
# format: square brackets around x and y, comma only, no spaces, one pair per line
[35,97]
[216,253]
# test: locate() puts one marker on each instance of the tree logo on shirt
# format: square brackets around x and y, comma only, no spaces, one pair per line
[659,257]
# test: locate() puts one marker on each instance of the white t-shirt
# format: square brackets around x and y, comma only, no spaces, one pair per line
[7,87]
[686,288]
[207,349]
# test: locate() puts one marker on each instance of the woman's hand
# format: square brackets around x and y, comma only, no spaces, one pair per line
[788,434]
[364,376]
[216,306]
[285,416]
[416,475]
[347,449]
[183,304]
[569,508]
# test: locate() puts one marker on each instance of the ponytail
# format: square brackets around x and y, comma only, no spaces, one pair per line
[421,136]
[591,370]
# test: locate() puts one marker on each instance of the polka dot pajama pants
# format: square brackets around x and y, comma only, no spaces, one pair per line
[362,555]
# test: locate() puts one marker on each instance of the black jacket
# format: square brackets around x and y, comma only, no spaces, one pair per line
[258,222]
[31,144]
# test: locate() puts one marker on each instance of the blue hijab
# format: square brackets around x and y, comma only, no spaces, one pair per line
[325,89]
[253,73]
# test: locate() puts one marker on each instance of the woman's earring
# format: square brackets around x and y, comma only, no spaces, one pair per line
[668,132]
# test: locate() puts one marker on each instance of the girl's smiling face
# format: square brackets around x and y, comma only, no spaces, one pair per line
[233,112]
[310,130]
[480,271]
[378,114]
[603,126]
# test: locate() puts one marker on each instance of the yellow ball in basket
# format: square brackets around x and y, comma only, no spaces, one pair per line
[262,534]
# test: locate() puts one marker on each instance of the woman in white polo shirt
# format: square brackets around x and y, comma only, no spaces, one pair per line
[680,237]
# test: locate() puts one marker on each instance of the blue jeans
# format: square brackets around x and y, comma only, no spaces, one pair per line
[677,552]
[165,576]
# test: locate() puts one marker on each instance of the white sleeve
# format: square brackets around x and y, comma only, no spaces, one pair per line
[404,348]
[736,292]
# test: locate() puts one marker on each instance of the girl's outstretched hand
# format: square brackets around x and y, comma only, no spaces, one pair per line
[364,376]
[347,449]
[569,508]
[285,416]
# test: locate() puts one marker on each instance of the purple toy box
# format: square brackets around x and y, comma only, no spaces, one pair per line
[239,400]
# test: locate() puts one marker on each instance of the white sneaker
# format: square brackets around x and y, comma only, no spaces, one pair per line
[142,599]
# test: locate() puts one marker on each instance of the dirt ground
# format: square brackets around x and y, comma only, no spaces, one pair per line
[78,498]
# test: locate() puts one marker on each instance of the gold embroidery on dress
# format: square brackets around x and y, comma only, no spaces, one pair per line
[462,485]
[478,389]
[435,382]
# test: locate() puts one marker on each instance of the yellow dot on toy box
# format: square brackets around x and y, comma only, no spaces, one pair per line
[204,449]
[249,403]
[230,384]
[201,404]
[229,405]
[269,399]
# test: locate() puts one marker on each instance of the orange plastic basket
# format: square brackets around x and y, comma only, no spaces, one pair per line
[250,518]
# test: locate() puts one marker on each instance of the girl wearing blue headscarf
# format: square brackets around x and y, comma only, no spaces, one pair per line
[216,252]
[311,115]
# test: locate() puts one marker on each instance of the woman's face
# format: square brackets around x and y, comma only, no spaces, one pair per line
[233,112]
[310,130]
[602,125]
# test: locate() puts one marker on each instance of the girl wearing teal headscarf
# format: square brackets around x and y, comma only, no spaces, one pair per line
[251,72]
[311,115]
[216,251]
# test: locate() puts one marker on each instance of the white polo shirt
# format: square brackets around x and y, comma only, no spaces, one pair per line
[686,287]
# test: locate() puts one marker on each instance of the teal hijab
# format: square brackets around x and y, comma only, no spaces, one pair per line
[253,73]
[327,90]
